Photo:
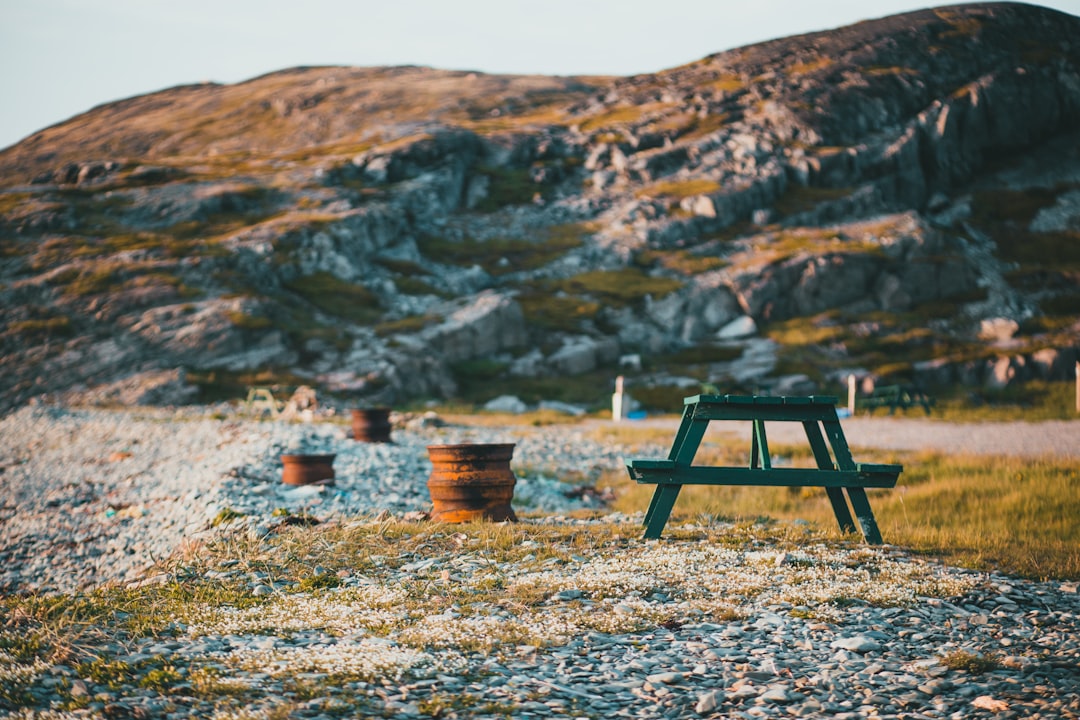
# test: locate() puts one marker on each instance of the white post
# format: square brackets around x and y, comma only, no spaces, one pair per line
[851,394]
[1078,386]
[617,400]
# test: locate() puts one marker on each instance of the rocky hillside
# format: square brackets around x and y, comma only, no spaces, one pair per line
[899,198]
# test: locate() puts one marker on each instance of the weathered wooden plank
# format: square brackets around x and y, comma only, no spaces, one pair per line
[766,413]
[759,447]
[771,477]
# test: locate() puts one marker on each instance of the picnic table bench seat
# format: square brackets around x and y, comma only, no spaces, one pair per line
[837,472]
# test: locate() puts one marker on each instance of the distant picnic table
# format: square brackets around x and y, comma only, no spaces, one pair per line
[897,397]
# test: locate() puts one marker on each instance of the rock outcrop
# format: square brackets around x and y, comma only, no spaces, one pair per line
[859,198]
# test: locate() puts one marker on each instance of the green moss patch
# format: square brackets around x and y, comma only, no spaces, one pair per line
[627,286]
[684,262]
[566,313]
[1006,216]
[335,296]
[499,256]
[224,385]
[507,186]
[802,198]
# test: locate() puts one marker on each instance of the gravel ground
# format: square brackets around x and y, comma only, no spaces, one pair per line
[96,495]
[658,629]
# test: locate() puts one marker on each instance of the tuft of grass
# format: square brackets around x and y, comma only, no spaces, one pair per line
[507,186]
[225,515]
[809,66]
[627,286]
[218,385]
[411,324]
[679,189]
[57,326]
[968,662]
[1006,216]
[801,198]
[564,313]
[244,321]
[499,256]
[614,117]
[684,262]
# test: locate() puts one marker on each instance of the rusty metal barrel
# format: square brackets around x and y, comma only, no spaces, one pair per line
[371,425]
[307,469]
[471,482]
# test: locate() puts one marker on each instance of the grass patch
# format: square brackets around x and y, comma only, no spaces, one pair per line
[335,296]
[224,385]
[810,66]
[1032,401]
[406,325]
[968,662]
[802,198]
[683,262]
[500,256]
[1006,216]
[488,594]
[612,118]
[55,326]
[565,313]
[627,286]
[679,189]
[245,321]
[480,381]
[507,186]
[89,280]
[1010,514]
[728,84]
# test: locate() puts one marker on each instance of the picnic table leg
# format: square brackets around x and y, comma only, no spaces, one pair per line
[759,447]
[824,462]
[660,509]
[841,451]
[684,428]
[688,438]
[861,504]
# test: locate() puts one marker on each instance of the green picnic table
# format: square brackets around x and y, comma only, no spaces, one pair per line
[838,473]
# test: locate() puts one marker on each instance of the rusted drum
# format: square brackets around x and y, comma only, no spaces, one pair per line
[371,425]
[307,469]
[471,482]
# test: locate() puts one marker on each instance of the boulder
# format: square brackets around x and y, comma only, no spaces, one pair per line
[479,326]
[738,328]
[577,355]
[507,404]
[999,373]
[998,330]
[561,407]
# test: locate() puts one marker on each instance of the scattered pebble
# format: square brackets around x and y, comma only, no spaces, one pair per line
[669,629]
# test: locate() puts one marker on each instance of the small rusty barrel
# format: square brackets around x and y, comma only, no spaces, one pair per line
[371,425]
[471,482]
[307,469]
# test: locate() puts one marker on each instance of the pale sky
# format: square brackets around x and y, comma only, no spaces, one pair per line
[59,58]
